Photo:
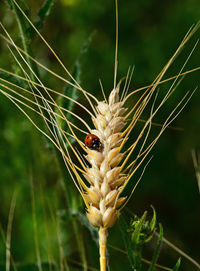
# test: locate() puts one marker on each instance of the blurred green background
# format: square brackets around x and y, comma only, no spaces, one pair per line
[149,33]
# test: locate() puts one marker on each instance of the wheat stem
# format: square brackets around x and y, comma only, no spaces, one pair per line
[102,248]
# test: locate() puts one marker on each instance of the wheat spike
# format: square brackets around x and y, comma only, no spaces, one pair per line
[104,174]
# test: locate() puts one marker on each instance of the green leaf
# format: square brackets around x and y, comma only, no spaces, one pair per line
[135,237]
[157,250]
[152,225]
[177,265]
[127,240]
[153,221]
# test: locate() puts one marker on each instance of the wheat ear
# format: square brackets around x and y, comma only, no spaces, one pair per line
[104,175]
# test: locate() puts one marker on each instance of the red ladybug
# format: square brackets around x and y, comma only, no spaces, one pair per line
[93,142]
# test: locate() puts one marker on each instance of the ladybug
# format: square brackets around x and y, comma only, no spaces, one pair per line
[92,141]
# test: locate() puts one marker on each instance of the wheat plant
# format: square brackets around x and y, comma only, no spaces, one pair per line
[101,175]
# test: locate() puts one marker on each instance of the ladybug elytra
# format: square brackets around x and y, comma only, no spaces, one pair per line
[92,141]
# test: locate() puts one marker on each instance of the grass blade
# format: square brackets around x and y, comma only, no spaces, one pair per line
[177,265]
[157,250]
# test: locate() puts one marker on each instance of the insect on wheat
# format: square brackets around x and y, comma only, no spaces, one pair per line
[111,166]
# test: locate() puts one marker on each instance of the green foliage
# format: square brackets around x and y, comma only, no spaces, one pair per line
[140,232]
[136,235]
